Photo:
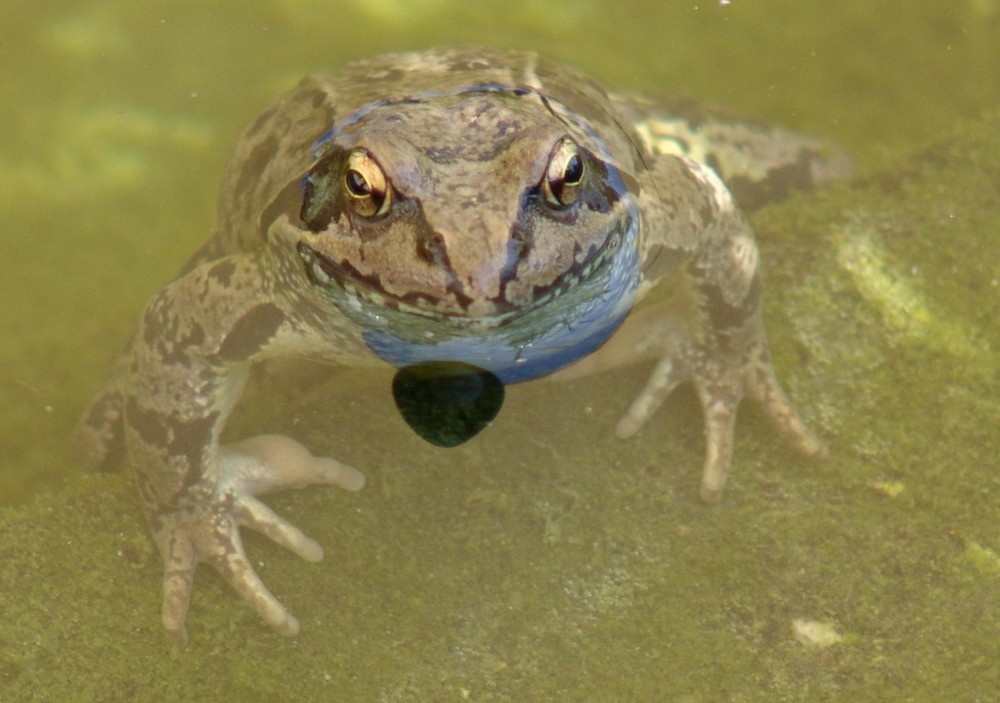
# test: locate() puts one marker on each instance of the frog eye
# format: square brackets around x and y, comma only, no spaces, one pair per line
[564,175]
[368,191]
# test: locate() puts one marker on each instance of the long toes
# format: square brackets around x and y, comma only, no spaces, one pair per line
[661,383]
[763,387]
[801,437]
[720,421]
[235,568]
[178,579]
[327,470]
[269,462]
[259,517]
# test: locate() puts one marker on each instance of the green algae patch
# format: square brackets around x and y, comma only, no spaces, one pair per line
[528,565]
[984,559]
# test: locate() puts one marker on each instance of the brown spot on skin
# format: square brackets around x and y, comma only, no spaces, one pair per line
[724,315]
[262,120]
[178,352]
[162,331]
[148,424]
[177,437]
[222,272]
[255,163]
[251,332]
[318,98]
[99,437]
[662,260]
[751,193]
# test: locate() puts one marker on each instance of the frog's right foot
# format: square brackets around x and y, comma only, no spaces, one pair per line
[210,532]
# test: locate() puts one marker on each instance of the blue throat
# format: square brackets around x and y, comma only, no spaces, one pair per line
[540,342]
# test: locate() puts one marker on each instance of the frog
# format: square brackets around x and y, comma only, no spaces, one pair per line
[473,206]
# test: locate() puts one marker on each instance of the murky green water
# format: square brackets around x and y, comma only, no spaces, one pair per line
[559,564]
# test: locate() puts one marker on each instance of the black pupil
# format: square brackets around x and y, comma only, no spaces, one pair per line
[574,170]
[357,184]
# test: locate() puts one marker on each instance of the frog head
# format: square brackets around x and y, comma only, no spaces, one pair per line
[484,225]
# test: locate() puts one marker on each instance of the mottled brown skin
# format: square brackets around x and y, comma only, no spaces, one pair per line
[482,207]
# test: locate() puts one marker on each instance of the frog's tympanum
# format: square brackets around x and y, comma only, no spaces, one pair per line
[477,216]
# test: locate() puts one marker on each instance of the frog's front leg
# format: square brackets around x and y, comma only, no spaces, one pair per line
[700,321]
[722,375]
[188,367]
[722,378]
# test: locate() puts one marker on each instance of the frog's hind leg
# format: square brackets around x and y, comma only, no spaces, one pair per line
[98,439]
[759,162]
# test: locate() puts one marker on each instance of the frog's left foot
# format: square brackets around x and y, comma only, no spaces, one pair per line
[211,534]
[762,386]
[720,388]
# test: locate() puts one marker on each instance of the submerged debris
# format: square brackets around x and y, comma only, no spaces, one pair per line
[816,634]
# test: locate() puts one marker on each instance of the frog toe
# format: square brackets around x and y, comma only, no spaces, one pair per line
[257,516]
[271,462]
[211,534]
[719,402]
[762,386]
[233,565]
[216,540]
[665,377]
[177,583]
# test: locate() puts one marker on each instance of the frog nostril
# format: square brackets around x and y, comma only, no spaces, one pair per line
[431,248]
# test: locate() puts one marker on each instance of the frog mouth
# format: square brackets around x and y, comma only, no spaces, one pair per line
[329,274]
[367,290]
[568,320]
[354,290]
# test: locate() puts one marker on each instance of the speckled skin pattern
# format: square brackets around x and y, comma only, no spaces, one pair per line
[453,195]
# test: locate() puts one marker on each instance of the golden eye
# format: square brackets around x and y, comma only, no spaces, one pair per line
[368,190]
[564,175]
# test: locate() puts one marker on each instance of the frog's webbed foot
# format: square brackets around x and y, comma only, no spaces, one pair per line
[721,387]
[212,532]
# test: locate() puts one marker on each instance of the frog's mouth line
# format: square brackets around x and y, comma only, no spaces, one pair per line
[366,290]
[567,320]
